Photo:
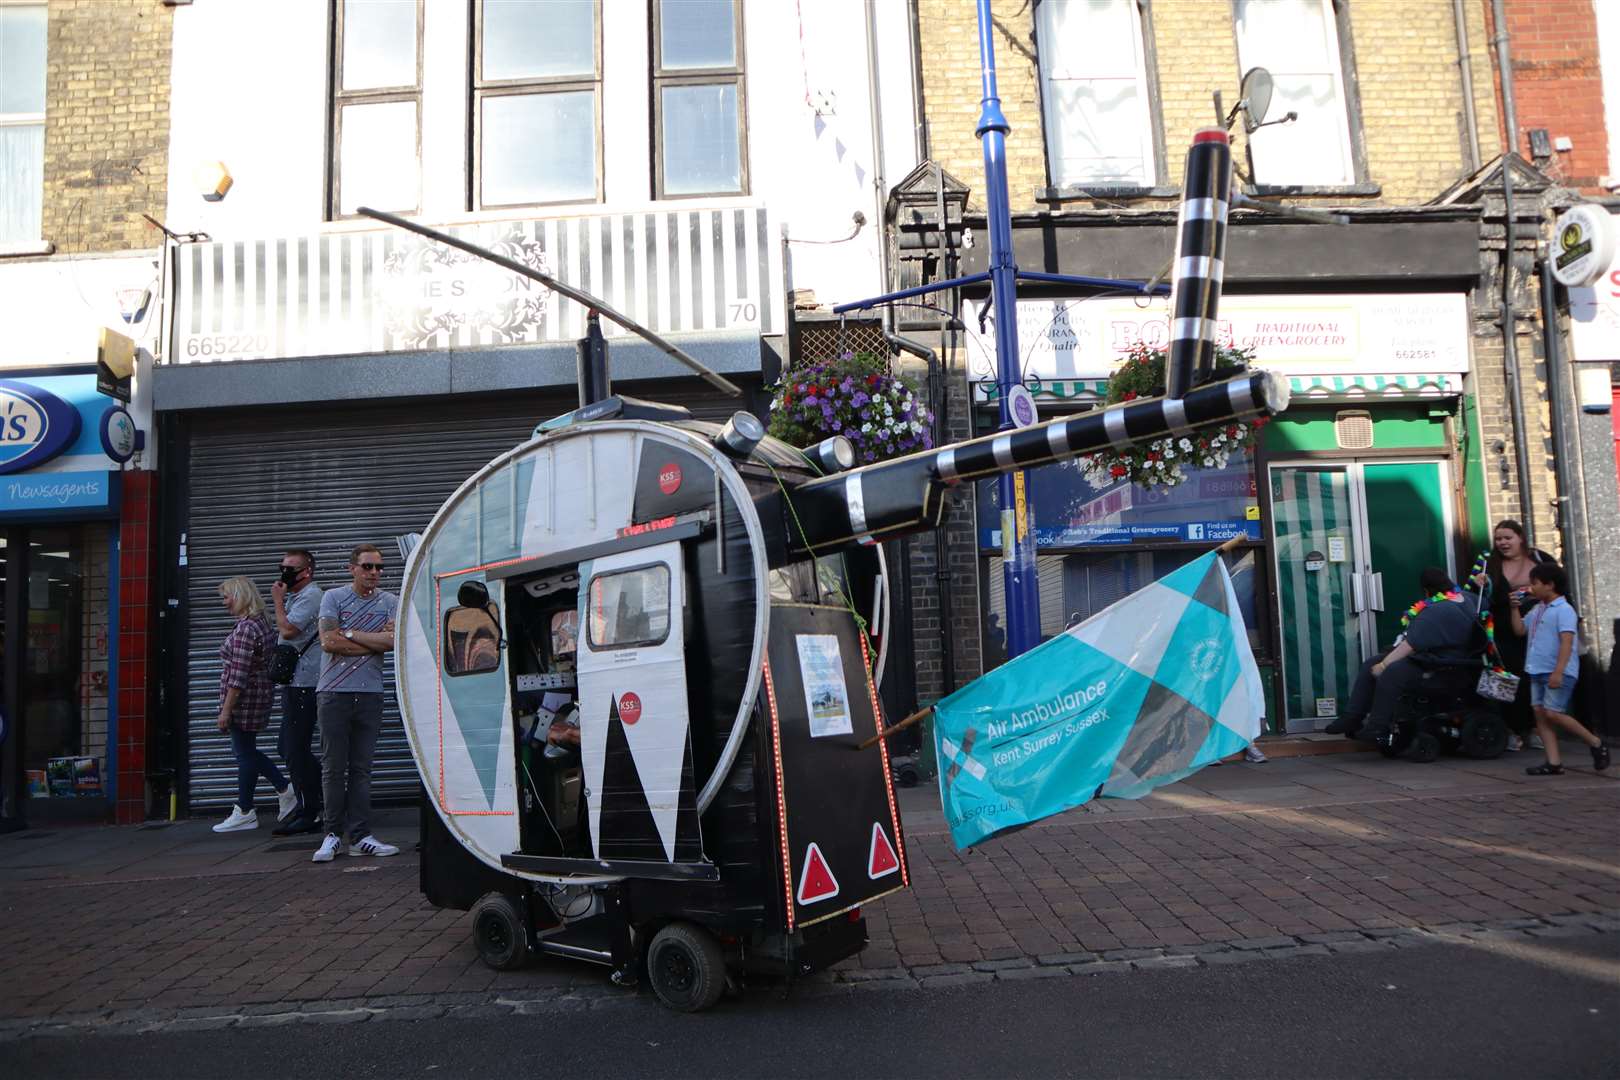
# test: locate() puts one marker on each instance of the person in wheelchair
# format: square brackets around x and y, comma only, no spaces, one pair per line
[1441,627]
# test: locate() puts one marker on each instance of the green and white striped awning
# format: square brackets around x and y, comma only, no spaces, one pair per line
[1372,387]
[1305,388]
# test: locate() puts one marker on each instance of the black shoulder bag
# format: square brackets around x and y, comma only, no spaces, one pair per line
[284,660]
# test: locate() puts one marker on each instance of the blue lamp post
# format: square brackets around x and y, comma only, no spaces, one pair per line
[1018,580]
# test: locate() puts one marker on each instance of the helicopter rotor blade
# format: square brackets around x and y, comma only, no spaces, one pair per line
[703,371]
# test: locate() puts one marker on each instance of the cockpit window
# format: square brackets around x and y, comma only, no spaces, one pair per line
[472,640]
[628,609]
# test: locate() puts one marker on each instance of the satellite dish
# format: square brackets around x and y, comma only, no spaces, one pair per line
[1255,97]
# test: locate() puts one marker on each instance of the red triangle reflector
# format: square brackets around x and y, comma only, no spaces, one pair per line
[816,881]
[881,861]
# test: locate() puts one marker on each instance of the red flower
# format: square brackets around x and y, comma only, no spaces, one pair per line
[871,380]
[1118,470]
[1130,395]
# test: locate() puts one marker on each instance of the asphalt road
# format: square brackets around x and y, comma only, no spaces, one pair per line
[1528,1008]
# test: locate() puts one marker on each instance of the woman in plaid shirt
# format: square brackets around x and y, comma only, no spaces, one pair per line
[244,701]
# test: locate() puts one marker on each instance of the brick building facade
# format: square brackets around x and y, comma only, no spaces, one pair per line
[1423,147]
[91,77]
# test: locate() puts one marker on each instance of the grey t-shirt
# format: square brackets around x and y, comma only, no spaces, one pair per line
[1444,628]
[303,610]
[355,674]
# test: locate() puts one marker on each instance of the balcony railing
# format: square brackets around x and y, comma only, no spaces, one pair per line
[713,268]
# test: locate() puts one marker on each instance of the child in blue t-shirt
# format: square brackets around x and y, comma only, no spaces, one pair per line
[1552,666]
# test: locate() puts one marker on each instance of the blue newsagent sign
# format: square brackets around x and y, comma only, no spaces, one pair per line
[52,461]
[1211,505]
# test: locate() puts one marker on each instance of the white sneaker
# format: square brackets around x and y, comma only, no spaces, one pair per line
[288,801]
[1253,756]
[1514,743]
[1535,742]
[372,846]
[239,821]
[329,847]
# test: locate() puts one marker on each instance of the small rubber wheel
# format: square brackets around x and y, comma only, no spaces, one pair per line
[1484,736]
[1397,742]
[1425,747]
[686,967]
[499,933]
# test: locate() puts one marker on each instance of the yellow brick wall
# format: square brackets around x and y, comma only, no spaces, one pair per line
[106,122]
[1405,65]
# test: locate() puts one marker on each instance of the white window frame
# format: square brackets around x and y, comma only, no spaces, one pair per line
[483,89]
[1268,148]
[1046,51]
[22,242]
[340,98]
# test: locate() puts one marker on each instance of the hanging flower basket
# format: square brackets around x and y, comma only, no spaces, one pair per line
[1166,462]
[854,395]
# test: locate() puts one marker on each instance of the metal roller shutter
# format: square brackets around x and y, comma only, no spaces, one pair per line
[326,480]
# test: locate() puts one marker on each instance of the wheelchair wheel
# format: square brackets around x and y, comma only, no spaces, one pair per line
[1425,747]
[1484,736]
[1398,741]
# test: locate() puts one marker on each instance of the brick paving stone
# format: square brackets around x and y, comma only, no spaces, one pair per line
[966,978]
[1362,946]
[1022,974]
[1235,956]
[1060,959]
[1273,942]
[1104,967]
[929,970]
[1003,965]
[1154,963]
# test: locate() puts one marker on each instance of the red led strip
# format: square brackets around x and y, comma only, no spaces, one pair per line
[888,778]
[781,796]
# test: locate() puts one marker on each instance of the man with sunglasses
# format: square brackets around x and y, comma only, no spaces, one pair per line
[298,606]
[357,628]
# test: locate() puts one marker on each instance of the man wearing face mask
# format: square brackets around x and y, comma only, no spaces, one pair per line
[297,607]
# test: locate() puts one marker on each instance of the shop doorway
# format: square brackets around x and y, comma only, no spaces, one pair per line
[49,751]
[1349,539]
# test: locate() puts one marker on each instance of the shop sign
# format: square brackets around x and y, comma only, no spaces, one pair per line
[1212,505]
[1583,245]
[1335,334]
[35,426]
[51,491]
[119,439]
[1594,314]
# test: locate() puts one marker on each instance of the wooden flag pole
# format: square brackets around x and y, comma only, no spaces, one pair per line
[892,728]
[1232,543]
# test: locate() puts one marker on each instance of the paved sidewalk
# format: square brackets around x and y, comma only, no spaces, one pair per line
[132,926]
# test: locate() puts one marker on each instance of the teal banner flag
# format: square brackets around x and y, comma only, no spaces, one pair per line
[1143,693]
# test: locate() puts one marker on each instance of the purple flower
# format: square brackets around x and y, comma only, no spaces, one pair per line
[809,399]
[860,398]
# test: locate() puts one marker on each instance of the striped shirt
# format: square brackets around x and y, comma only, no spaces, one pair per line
[245,667]
[351,611]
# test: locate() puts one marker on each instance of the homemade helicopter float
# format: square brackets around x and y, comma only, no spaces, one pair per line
[635,659]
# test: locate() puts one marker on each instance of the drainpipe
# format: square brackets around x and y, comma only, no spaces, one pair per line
[1510,352]
[937,395]
[880,183]
[1466,70]
[1571,500]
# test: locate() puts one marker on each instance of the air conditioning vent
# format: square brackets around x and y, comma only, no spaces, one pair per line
[1353,429]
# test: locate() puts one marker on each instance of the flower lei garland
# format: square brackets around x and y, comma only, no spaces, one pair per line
[1165,462]
[854,395]
[1412,612]
[1489,621]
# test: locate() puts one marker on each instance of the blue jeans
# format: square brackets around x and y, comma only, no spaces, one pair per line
[251,763]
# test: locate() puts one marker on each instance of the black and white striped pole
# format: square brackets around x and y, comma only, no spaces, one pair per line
[1196,274]
[891,499]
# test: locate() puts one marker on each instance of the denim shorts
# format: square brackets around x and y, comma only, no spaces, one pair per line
[1545,696]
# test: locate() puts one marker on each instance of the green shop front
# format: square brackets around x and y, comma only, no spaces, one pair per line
[1371,475]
